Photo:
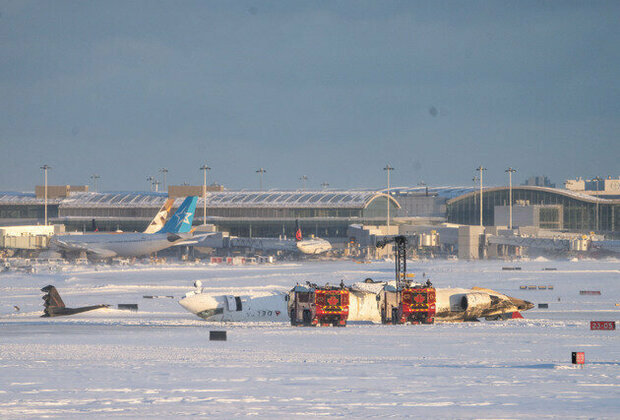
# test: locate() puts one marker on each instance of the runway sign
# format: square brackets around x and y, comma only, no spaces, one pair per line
[217,335]
[603,325]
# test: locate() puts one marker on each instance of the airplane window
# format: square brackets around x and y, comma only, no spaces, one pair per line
[238,300]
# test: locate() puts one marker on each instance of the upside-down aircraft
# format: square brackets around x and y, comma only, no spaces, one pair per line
[452,305]
[105,245]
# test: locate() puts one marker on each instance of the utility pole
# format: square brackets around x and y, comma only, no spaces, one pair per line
[164,171]
[303,179]
[388,169]
[260,173]
[94,177]
[510,172]
[480,169]
[45,168]
[204,168]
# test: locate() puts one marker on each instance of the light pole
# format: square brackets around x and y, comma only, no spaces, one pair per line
[45,168]
[324,185]
[303,179]
[388,169]
[150,180]
[597,179]
[164,171]
[156,184]
[510,172]
[94,177]
[260,173]
[480,169]
[204,168]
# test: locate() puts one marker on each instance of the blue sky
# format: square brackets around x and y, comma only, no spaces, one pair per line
[330,90]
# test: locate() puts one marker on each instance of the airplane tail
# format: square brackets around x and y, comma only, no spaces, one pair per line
[159,220]
[298,235]
[54,306]
[51,299]
[181,220]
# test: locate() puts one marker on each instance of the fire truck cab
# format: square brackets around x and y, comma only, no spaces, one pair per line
[312,305]
[407,303]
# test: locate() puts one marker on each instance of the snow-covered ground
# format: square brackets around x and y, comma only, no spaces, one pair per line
[159,362]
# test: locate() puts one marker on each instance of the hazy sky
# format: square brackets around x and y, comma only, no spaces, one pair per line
[333,90]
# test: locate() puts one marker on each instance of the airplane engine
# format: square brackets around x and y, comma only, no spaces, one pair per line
[476,302]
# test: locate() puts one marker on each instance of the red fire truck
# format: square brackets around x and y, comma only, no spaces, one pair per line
[417,305]
[405,302]
[312,305]
[413,304]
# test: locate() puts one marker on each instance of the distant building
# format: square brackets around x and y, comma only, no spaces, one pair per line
[538,181]
[550,208]
[602,187]
[176,191]
[59,191]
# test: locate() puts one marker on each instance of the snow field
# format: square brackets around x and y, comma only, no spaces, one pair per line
[159,362]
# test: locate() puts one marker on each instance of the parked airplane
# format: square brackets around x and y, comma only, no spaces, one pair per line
[104,245]
[160,218]
[452,305]
[311,246]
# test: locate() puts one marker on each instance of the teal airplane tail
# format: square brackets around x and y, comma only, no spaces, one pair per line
[181,220]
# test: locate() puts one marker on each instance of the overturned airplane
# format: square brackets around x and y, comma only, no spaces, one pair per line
[365,302]
[54,306]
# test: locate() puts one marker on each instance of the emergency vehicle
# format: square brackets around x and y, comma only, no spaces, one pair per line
[405,302]
[312,305]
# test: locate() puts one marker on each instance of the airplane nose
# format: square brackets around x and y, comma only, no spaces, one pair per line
[526,305]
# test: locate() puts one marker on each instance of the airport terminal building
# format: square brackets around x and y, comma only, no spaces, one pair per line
[556,209]
[322,213]
[241,213]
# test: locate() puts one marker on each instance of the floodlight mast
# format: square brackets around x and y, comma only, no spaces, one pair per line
[45,168]
[388,169]
[164,172]
[480,169]
[94,177]
[597,179]
[260,173]
[204,168]
[303,179]
[510,172]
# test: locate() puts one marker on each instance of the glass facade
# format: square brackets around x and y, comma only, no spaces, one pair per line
[265,214]
[579,213]
[28,211]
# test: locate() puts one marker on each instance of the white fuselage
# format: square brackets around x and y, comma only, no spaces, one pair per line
[270,307]
[363,306]
[121,244]
[313,246]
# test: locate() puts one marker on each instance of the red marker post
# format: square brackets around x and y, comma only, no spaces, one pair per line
[603,325]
